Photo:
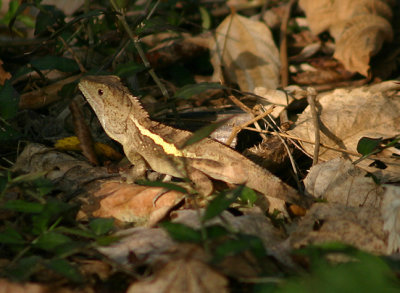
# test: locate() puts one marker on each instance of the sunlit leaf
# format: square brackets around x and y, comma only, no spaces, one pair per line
[248,195]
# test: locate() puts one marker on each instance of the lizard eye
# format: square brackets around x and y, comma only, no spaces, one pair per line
[100,92]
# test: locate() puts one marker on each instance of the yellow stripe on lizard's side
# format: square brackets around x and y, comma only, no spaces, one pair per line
[169,148]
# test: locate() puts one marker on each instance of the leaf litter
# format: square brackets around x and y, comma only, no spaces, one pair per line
[356,204]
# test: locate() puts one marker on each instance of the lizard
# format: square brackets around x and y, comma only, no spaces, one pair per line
[151,144]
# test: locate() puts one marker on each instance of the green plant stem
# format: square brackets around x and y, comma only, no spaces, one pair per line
[136,43]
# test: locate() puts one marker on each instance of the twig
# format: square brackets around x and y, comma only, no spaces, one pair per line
[311,94]
[240,127]
[242,106]
[283,45]
[136,43]
[292,161]
[72,52]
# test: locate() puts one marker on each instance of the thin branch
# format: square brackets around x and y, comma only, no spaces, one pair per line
[283,45]
[242,106]
[311,95]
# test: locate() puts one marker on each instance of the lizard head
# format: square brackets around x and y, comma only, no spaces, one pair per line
[110,100]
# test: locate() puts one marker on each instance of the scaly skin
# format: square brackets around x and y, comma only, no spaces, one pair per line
[151,144]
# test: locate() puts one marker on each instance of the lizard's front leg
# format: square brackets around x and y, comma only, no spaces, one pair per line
[138,171]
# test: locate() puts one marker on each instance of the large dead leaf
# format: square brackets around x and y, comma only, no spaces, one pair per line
[186,272]
[391,216]
[130,202]
[245,53]
[359,28]
[69,173]
[360,227]
[339,181]
[148,245]
[348,115]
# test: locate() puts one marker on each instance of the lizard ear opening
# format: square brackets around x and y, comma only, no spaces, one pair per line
[100,92]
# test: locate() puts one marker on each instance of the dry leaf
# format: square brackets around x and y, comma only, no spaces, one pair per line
[148,245]
[339,181]
[70,173]
[256,224]
[348,115]
[391,216]
[4,75]
[245,50]
[131,202]
[68,7]
[72,143]
[359,28]
[44,96]
[360,227]
[268,96]
[82,131]
[185,272]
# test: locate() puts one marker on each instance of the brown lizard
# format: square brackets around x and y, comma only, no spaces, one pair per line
[151,144]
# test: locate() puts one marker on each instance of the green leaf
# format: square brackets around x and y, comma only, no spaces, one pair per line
[3,182]
[49,16]
[53,210]
[153,25]
[11,236]
[8,134]
[69,248]
[49,241]
[367,145]
[181,232]
[205,18]
[24,268]
[43,186]
[129,69]
[248,195]
[54,62]
[220,203]
[101,226]
[235,246]
[204,132]
[76,232]
[106,240]
[166,185]
[216,231]
[353,276]
[23,206]
[9,99]
[28,177]
[65,269]
[190,90]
